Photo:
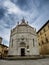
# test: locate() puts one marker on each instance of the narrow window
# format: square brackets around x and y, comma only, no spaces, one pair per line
[42,42]
[12,42]
[40,33]
[48,26]
[44,30]
[45,34]
[27,46]
[46,40]
[33,43]
[39,44]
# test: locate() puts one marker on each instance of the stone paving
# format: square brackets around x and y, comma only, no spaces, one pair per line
[25,62]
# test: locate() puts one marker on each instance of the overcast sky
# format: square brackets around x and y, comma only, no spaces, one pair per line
[36,12]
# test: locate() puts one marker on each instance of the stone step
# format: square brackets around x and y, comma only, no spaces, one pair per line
[23,57]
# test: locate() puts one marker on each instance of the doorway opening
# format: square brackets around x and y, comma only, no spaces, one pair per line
[22,51]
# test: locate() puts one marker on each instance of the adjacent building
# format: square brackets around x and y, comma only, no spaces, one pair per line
[3,49]
[43,39]
[23,40]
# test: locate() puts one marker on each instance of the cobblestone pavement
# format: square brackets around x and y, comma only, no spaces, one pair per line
[25,62]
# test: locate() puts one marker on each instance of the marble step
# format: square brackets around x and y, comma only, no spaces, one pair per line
[23,57]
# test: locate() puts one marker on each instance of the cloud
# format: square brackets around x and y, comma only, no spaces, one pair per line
[5,34]
[30,5]
[36,12]
[21,4]
[2,12]
[6,38]
[40,21]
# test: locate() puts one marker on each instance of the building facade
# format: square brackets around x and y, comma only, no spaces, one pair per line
[23,40]
[3,49]
[43,39]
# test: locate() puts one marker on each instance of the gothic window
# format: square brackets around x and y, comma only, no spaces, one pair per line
[33,42]
[12,42]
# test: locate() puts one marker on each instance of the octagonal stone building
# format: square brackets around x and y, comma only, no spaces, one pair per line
[23,40]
